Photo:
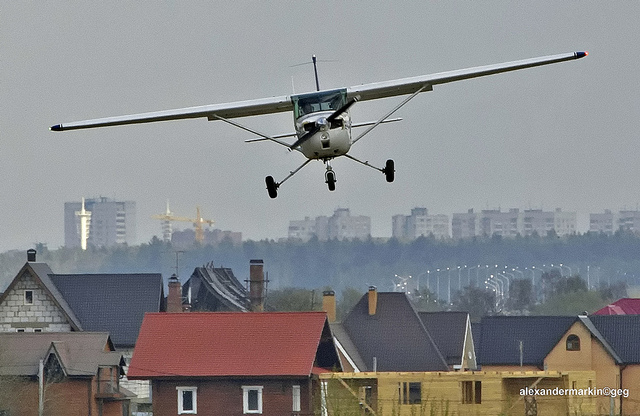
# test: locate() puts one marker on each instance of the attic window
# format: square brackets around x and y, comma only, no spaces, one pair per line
[28,297]
[573,343]
[53,372]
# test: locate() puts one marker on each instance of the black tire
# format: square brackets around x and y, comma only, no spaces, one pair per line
[331,181]
[272,188]
[389,171]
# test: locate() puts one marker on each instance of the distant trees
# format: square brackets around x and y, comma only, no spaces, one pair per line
[357,264]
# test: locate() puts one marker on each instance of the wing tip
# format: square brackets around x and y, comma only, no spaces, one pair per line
[57,127]
[581,54]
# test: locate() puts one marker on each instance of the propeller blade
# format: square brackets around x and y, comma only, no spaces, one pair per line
[317,128]
[305,137]
[342,109]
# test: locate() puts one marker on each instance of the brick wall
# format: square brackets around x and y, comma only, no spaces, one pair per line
[225,397]
[43,314]
[19,396]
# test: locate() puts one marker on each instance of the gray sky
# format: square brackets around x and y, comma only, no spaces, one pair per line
[564,135]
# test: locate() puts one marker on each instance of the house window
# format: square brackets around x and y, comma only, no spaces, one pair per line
[471,392]
[410,393]
[187,400]
[573,343]
[295,391]
[252,399]
[28,297]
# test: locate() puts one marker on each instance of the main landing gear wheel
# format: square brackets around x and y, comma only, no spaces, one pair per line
[389,171]
[272,186]
[330,180]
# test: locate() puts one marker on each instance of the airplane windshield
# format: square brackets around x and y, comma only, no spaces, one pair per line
[319,101]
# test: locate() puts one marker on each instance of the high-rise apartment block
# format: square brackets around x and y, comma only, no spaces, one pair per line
[420,223]
[512,223]
[610,222]
[108,222]
[340,226]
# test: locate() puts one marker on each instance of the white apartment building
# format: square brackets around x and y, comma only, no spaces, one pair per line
[610,222]
[512,223]
[420,223]
[340,226]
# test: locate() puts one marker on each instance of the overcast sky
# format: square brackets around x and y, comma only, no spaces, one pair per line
[564,135]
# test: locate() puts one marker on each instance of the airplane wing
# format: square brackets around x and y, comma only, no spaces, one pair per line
[226,110]
[371,91]
[411,85]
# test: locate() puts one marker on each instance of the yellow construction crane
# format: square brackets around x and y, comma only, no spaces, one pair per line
[198,222]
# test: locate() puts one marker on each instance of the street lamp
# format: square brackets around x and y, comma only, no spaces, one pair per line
[562,265]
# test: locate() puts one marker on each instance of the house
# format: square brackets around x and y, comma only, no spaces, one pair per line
[606,345]
[80,374]
[384,332]
[460,393]
[38,300]
[217,289]
[234,363]
[624,306]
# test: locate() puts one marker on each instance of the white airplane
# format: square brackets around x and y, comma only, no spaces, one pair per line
[321,118]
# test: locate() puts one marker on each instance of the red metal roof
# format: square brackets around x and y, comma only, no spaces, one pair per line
[624,306]
[217,344]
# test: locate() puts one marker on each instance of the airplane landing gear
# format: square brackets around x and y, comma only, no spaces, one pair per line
[389,170]
[272,186]
[330,178]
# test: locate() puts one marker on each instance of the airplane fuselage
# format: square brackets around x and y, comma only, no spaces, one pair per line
[332,140]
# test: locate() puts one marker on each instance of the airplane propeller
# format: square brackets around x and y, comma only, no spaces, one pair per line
[322,122]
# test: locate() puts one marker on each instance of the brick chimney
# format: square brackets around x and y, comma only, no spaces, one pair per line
[174,299]
[373,300]
[256,285]
[329,304]
[31,255]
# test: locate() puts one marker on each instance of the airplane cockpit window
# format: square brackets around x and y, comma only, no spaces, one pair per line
[325,101]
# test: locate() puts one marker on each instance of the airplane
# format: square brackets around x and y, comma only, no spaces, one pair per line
[323,125]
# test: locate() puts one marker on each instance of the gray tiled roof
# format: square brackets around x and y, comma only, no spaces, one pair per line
[448,330]
[395,335]
[345,341]
[80,352]
[501,335]
[113,303]
[216,289]
[622,333]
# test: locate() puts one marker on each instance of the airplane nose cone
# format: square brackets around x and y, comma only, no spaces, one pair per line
[322,123]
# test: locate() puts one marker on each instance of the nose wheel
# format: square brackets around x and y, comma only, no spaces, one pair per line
[330,178]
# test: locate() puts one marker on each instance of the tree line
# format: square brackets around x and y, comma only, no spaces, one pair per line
[357,264]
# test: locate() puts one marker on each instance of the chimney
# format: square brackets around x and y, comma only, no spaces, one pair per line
[31,255]
[256,285]
[329,304]
[174,299]
[373,300]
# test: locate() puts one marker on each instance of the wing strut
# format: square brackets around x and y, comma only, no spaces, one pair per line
[425,87]
[240,126]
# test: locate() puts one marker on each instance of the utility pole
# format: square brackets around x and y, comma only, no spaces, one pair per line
[41,388]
